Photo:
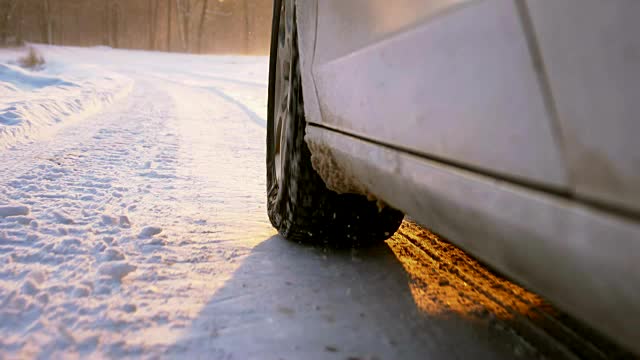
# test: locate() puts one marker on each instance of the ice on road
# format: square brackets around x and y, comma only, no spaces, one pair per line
[137,227]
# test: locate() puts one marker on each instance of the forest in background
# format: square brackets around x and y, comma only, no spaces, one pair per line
[196,26]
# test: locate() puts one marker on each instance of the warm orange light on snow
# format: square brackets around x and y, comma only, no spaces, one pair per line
[445,280]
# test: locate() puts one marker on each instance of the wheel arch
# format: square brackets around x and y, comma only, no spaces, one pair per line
[329,171]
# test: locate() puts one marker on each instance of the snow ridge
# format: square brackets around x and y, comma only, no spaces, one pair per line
[31,103]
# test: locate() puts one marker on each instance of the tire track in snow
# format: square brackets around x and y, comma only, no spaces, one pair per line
[251,114]
[446,279]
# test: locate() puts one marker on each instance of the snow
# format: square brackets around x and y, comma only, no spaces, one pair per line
[149,231]
[116,270]
[133,224]
[13,210]
[108,197]
[32,102]
[14,77]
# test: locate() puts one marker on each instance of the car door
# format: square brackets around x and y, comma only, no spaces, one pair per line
[591,50]
[451,80]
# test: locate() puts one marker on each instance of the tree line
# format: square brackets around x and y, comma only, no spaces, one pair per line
[198,26]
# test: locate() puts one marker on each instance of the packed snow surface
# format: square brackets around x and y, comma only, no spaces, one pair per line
[123,176]
[133,224]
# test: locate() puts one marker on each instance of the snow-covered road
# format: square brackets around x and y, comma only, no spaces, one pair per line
[140,230]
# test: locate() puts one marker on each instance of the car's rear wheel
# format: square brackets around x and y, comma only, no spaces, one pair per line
[300,205]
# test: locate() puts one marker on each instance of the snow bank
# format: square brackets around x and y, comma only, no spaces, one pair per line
[26,80]
[32,102]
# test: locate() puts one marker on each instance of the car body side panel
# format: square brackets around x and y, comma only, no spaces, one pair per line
[582,259]
[348,26]
[459,86]
[591,50]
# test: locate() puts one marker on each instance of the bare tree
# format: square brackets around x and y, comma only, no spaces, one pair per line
[203,17]
[111,22]
[246,26]
[219,10]
[47,22]
[189,25]
[106,36]
[20,23]
[7,11]
[184,22]
[153,6]
[169,16]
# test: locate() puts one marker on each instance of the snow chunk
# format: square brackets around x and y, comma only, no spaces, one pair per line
[30,288]
[157,242]
[14,210]
[112,254]
[62,218]
[43,298]
[116,270]
[68,247]
[38,276]
[129,308]
[81,291]
[23,220]
[149,231]
[108,220]
[157,175]
[124,222]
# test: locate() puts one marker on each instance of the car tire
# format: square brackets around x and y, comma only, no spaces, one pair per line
[300,205]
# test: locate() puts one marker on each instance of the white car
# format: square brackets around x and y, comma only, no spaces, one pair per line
[511,127]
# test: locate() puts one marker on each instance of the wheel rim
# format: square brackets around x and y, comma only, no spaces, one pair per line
[283,85]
